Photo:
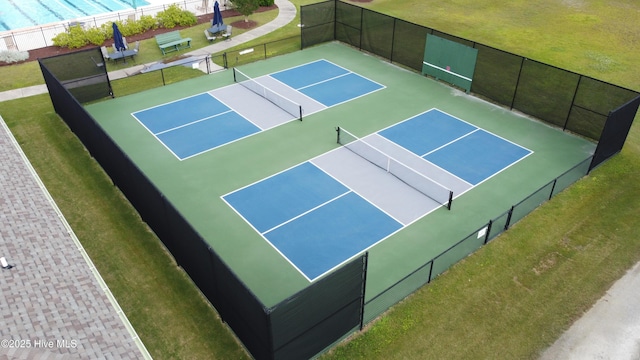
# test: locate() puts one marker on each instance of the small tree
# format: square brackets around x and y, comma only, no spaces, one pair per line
[246,7]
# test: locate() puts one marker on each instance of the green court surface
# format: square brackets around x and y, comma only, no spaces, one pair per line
[195,185]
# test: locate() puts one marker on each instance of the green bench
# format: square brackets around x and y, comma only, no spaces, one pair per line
[172,41]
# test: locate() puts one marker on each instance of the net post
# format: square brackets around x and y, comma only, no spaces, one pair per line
[450,200]
[234,75]
[338,134]
[300,112]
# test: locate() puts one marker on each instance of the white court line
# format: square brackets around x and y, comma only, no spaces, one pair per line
[265,238]
[447,71]
[324,81]
[194,122]
[449,143]
[263,234]
[352,190]
[308,211]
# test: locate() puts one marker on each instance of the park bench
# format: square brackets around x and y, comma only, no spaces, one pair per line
[172,41]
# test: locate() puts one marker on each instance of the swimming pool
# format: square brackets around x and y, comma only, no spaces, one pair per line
[17,14]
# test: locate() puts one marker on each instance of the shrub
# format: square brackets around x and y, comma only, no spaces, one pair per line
[10,56]
[266,2]
[74,38]
[96,36]
[147,22]
[174,16]
[127,28]
[77,37]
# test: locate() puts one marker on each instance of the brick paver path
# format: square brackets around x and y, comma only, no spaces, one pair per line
[52,305]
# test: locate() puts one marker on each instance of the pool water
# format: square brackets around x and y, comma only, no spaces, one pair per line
[17,14]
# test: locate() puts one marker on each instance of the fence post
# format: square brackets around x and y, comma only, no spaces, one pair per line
[506,225]
[361,29]
[553,187]
[515,91]
[46,42]
[573,101]
[365,266]
[486,238]
[393,41]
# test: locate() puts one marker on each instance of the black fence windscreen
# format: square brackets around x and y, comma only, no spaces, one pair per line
[348,24]
[496,75]
[83,73]
[301,326]
[297,328]
[377,34]
[562,98]
[318,22]
[545,92]
[300,332]
[408,44]
[615,131]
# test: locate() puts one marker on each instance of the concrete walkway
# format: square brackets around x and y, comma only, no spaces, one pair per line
[286,14]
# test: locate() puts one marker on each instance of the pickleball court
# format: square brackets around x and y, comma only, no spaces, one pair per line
[283,202]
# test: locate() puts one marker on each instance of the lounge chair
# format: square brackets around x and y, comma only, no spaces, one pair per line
[227,34]
[209,36]
[105,53]
[124,41]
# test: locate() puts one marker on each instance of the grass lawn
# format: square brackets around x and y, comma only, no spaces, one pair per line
[28,74]
[511,299]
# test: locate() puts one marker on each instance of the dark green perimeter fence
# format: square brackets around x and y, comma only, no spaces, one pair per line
[313,319]
[161,74]
[298,327]
[562,98]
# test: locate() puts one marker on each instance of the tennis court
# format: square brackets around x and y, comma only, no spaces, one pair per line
[283,203]
[197,124]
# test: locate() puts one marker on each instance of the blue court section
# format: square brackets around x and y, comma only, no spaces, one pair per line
[477,156]
[456,146]
[195,124]
[277,199]
[426,132]
[327,83]
[310,218]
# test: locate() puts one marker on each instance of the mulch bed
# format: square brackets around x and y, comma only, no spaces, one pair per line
[55,50]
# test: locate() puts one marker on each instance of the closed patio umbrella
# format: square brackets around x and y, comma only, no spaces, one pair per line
[217,15]
[117,38]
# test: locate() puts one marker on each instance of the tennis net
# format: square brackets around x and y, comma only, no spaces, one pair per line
[272,96]
[409,176]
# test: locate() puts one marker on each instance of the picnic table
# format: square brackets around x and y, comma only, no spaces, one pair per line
[217,28]
[172,41]
[122,55]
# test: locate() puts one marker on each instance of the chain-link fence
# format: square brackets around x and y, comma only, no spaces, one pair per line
[296,328]
[562,98]
[329,309]
[573,102]
[463,248]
